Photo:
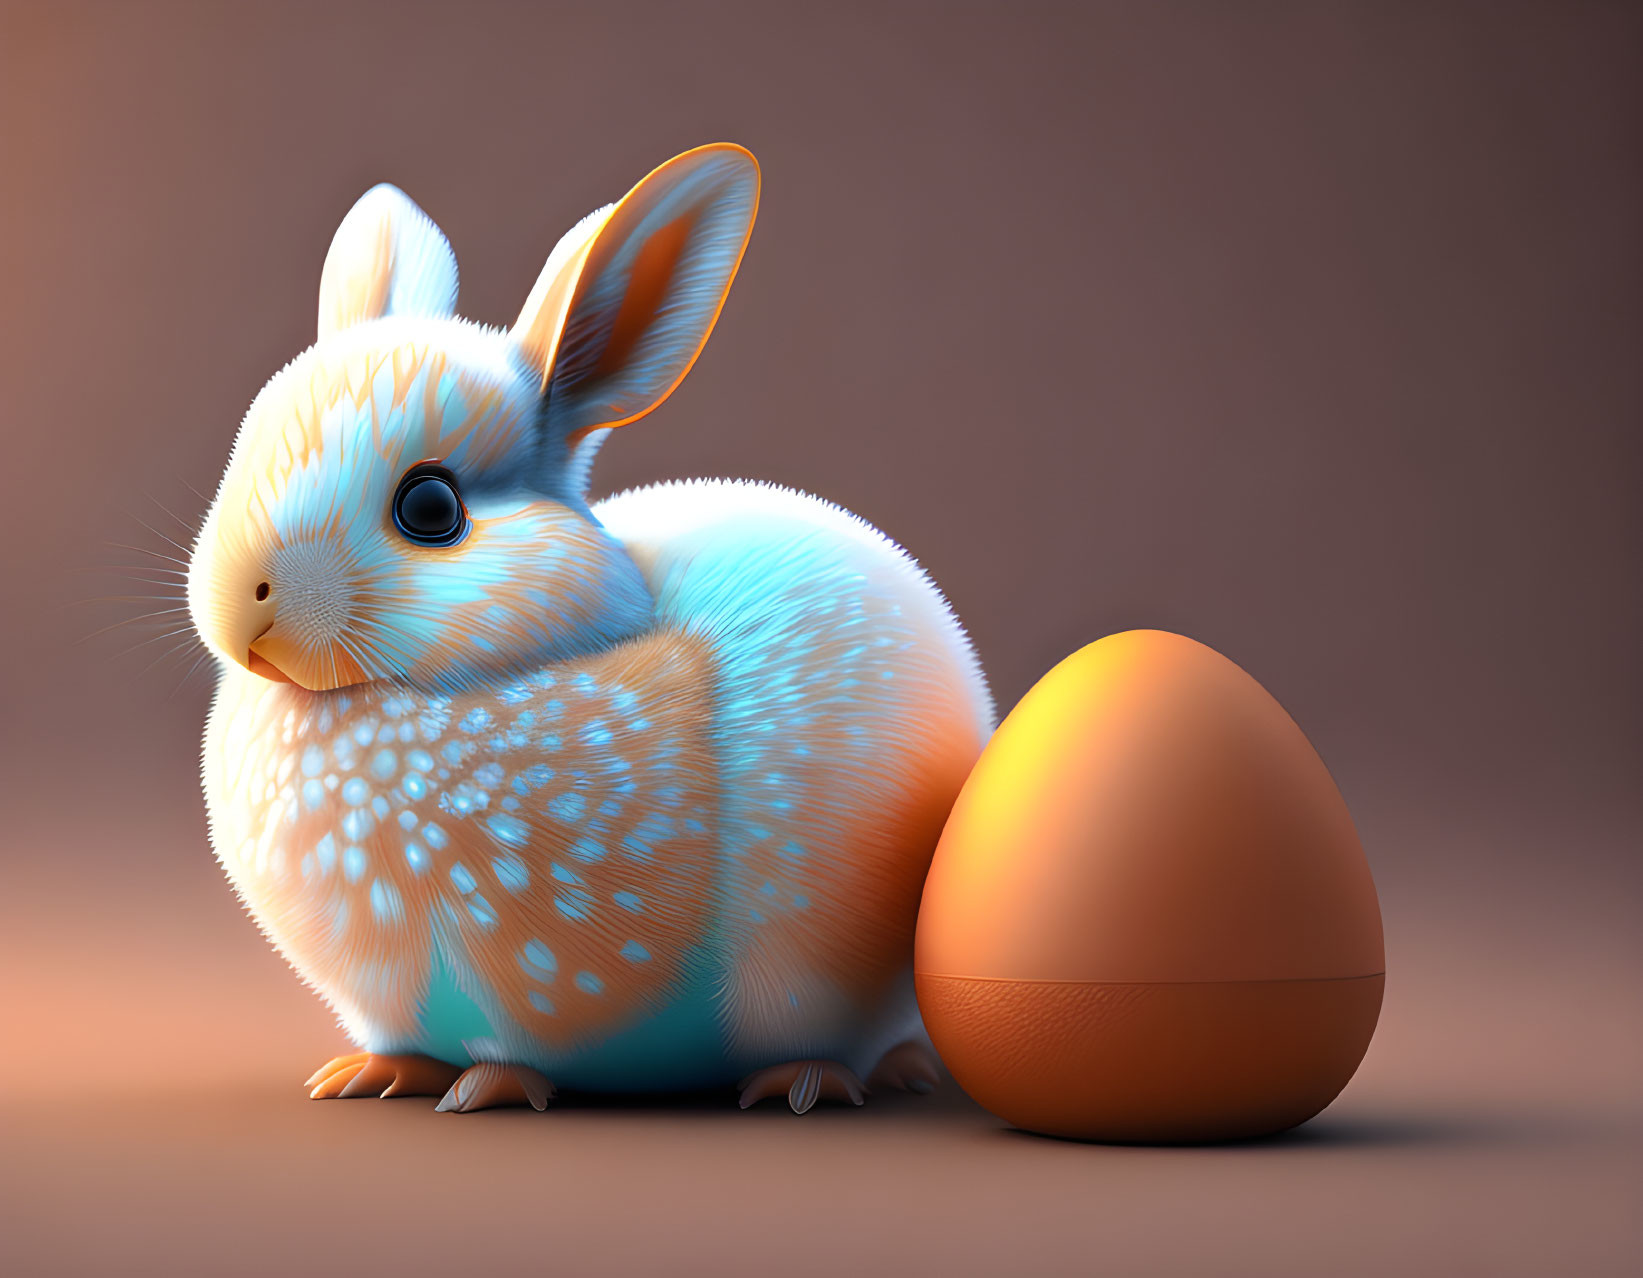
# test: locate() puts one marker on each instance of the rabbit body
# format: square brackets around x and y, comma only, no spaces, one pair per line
[637,795]
[657,866]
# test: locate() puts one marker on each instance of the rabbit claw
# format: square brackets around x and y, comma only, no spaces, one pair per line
[910,1067]
[804,1082]
[489,1085]
[367,1074]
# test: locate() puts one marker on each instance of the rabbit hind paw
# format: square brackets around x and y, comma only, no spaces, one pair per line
[804,1083]
[910,1067]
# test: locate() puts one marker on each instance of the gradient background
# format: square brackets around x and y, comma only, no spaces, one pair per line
[1312,331]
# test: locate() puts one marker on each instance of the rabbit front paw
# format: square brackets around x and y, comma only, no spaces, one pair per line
[367,1074]
[489,1085]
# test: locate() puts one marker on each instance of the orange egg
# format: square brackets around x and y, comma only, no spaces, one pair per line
[1149,917]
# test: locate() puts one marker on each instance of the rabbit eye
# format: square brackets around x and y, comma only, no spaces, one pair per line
[428,509]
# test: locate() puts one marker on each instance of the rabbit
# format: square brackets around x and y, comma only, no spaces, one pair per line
[636,796]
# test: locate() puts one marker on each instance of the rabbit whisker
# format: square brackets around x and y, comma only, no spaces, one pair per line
[188,674]
[192,528]
[172,651]
[182,633]
[128,621]
[163,537]
[176,599]
[180,573]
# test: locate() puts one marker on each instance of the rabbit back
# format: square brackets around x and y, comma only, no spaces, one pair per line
[848,709]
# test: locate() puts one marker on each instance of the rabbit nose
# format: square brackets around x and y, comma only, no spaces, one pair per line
[257,618]
[262,620]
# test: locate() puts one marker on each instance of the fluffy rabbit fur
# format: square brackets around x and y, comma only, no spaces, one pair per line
[624,797]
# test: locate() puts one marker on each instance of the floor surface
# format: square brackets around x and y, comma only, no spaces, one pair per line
[216,1176]
[152,1122]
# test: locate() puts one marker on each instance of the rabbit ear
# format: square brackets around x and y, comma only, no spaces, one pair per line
[387,258]
[542,318]
[628,298]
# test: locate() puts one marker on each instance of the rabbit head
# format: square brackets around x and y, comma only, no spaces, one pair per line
[405,500]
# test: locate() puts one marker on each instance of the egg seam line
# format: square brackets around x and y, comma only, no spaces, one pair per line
[1046,980]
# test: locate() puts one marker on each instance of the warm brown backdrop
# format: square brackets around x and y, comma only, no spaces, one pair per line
[1311,330]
